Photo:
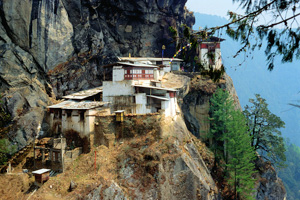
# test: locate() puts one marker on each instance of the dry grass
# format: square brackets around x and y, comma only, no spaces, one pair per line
[14,186]
[144,152]
[83,172]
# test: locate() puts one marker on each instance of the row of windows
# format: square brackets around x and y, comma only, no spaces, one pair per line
[139,76]
[138,71]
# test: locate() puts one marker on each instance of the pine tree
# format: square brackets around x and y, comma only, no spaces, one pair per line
[265,131]
[240,164]
[220,107]
[230,139]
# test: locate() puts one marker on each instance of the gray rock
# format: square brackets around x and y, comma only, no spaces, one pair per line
[269,186]
[72,186]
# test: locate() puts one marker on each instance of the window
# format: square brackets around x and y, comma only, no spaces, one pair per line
[69,113]
[137,71]
[81,116]
[211,54]
[148,71]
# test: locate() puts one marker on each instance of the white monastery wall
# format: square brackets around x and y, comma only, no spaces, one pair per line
[122,88]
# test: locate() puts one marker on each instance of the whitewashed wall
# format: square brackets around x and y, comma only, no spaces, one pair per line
[121,88]
[169,106]
[141,102]
[118,73]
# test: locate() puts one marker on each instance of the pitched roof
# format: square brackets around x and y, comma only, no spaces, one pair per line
[156,88]
[158,97]
[147,59]
[75,105]
[62,104]
[130,64]
[85,105]
[84,93]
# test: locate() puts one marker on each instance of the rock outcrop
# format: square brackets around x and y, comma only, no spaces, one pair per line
[49,48]
[166,168]
[25,87]
[104,30]
[195,101]
[269,186]
[62,44]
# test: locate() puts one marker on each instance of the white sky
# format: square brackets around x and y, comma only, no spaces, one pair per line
[212,7]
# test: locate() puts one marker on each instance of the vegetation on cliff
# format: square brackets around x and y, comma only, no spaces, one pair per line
[236,136]
[5,147]
[231,143]
[291,174]
[265,131]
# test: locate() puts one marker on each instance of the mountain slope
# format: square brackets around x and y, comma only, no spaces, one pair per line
[279,87]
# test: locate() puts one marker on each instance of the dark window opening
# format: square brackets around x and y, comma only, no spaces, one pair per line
[81,116]
[69,113]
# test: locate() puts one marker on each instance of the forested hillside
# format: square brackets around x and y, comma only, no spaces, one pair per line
[291,174]
[250,76]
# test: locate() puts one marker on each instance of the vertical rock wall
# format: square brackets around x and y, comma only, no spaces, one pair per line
[64,43]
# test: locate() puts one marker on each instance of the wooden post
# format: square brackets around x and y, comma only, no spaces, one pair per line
[62,157]
[43,155]
[95,161]
[9,168]
[34,155]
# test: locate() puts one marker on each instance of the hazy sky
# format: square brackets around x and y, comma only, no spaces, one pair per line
[213,7]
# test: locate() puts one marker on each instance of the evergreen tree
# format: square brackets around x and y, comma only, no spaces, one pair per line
[265,131]
[220,107]
[240,164]
[231,141]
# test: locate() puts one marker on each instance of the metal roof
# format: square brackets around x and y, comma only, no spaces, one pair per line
[147,59]
[41,171]
[75,105]
[158,97]
[62,104]
[137,64]
[85,105]
[119,111]
[84,93]
[156,88]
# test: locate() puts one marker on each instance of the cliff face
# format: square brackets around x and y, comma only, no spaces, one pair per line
[50,48]
[195,104]
[269,186]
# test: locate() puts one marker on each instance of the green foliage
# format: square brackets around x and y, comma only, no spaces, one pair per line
[5,147]
[231,141]
[240,164]
[282,31]
[265,131]
[280,43]
[173,32]
[5,150]
[220,107]
[291,174]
